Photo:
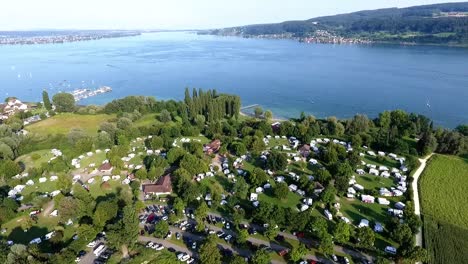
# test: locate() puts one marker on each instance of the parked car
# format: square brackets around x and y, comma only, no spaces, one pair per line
[227,238]
[220,234]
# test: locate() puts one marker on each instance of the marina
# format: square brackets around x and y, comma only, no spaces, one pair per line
[86,93]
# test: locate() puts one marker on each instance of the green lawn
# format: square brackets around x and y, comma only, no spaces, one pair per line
[29,162]
[96,189]
[371,182]
[63,123]
[445,208]
[96,158]
[356,210]
[45,224]
[388,162]
[291,201]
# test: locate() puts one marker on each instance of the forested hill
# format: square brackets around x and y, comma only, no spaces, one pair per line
[434,24]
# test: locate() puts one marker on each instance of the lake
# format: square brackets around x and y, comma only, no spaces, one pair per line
[284,76]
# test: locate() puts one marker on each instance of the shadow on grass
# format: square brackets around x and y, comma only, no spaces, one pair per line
[18,235]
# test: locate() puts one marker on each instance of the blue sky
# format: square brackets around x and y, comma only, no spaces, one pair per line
[174,14]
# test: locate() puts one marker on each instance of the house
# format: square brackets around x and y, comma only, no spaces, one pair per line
[213,147]
[106,168]
[253,197]
[367,198]
[363,223]
[162,187]
[304,150]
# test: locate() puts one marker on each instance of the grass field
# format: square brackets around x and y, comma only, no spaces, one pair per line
[445,208]
[63,123]
[29,162]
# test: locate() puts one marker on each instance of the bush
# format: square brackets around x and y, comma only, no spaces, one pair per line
[35,156]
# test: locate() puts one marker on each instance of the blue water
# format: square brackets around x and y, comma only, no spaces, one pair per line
[284,76]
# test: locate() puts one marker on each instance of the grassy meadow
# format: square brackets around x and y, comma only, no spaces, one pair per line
[63,123]
[445,208]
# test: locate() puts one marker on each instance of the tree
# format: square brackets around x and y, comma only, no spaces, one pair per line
[237,260]
[328,195]
[161,229]
[240,188]
[105,211]
[202,211]
[427,143]
[277,161]
[64,102]
[179,207]
[261,257]
[342,232]
[417,254]
[402,234]
[271,232]
[463,129]
[238,148]
[258,112]
[365,237]
[124,123]
[268,115]
[281,190]
[125,232]
[64,183]
[46,100]
[323,176]
[209,252]
[326,244]
[297,253]
[257,177]
[319,226]
[18,255]
[242,236]
[68,209]
[165,116]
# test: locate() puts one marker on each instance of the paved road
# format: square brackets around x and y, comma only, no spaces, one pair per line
[417,207]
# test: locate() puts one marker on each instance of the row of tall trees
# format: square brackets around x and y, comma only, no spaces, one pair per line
[211,105]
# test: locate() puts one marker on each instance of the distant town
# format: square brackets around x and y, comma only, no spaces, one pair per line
[52,37]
